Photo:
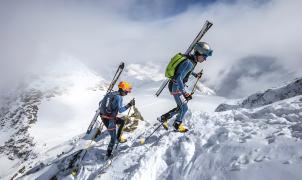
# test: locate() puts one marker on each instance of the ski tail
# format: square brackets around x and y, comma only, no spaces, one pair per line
[97,113]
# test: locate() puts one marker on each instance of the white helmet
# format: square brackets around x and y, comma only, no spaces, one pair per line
[203,48]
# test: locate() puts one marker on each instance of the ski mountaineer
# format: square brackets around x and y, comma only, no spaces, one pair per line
[110,106]
[177,84]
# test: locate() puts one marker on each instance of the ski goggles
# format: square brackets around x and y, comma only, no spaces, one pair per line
[205,55]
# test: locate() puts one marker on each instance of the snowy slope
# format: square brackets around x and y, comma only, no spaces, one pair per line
[258,143]
[261,142]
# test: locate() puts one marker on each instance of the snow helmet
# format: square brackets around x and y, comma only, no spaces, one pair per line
[203,48]
[123,85]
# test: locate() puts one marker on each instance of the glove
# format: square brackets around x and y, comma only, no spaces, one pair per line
[187,96]
[131,103]
[198,75]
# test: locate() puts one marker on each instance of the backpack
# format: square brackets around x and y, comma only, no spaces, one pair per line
[175,61]
[105,104]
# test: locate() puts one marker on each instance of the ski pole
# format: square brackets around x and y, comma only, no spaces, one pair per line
[142,140]
[195,85]
[130,109]
[127,117]
[125,124]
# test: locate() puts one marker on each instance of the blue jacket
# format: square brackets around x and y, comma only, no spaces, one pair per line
[183,71]
[112,104]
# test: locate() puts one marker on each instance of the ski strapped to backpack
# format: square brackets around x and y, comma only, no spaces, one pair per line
[201,33]
[113,82]
[116,76]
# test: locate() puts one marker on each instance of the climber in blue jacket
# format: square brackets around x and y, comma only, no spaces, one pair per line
[177,85]
[110,106]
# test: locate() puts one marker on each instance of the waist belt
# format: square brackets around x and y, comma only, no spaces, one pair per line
[107,117]
[176,92]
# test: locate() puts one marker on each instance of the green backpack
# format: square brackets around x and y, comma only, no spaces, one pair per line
[175,61]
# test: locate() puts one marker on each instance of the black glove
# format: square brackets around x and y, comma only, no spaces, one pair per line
[131,103]
[197,75]
[187,96]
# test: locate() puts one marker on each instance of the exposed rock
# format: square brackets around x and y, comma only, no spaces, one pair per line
[19,116]
[133,120]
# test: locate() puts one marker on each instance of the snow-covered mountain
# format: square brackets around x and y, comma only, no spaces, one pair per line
[258,140]
[268,97]
[31,115]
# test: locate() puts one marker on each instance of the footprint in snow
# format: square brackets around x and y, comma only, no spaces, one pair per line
[239,162]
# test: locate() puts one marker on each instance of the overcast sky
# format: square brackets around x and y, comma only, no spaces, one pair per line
[257,44]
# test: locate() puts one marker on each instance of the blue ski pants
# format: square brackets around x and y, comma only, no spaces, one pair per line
[110,124]
[182,108]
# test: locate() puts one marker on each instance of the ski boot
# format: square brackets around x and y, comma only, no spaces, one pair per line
[122,139]
[179,127]
[164,122]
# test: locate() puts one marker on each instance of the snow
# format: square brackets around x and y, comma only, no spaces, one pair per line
[5,135]
[66,115]
[148,71]
[251,141]
[66,111]
[267,97]
[6,165]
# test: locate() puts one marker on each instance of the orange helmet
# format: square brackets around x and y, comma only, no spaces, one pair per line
[125,86]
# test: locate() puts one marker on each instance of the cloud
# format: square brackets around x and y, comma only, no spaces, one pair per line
[251,74]
[270,30]
[102,33]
